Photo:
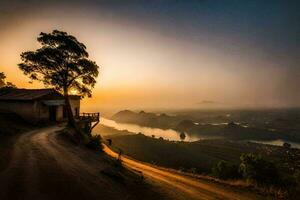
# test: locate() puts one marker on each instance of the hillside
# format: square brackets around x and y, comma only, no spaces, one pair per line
[200,156]
[48,166]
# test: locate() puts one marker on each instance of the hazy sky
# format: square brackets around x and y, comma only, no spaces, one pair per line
[171,54]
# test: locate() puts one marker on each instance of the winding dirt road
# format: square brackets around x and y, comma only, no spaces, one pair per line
[45,165]
[180,186]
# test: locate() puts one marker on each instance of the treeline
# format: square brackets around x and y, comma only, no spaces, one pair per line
[3,82]
[261,172]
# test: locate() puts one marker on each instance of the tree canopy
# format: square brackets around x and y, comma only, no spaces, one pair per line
[62,62]
[3,82]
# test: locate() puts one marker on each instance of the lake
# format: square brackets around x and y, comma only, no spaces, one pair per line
[168,134]
[173,135]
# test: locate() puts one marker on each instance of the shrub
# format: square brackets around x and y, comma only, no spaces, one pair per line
[86,139]
[95,142]
[287,145]
[254,167]
[225,170]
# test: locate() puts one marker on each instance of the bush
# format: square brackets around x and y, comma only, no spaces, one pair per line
[254,167]
[287,145]
[225,170]
[95,142]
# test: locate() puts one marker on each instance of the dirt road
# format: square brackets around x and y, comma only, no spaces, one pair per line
[45,165]
[180,186]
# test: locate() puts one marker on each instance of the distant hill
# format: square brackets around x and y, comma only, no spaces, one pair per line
[183,123]
[143,118]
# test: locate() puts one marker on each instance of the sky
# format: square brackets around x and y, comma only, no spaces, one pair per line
[169,53]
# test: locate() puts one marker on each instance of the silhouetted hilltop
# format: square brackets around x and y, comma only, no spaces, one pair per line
[123,113]
[143,118]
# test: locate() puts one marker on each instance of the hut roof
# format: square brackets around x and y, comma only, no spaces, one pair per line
[26,94]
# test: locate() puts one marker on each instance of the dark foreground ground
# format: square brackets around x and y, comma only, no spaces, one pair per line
[43,164]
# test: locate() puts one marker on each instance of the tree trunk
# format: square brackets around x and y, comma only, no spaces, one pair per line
[71,120]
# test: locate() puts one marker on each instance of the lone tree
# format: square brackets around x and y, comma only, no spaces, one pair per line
[4,83]
[182,136]
[62,62]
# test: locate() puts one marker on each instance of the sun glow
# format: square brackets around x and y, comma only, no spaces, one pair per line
[73,92]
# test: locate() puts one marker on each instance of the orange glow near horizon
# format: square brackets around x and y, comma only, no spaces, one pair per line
[143,68]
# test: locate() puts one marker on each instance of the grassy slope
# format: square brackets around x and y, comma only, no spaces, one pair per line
[111,169]
[201,155]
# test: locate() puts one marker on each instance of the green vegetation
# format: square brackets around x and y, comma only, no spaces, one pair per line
[254,167]
[261,173]
[271,169]
[226,170]
[202,154]
[95,142]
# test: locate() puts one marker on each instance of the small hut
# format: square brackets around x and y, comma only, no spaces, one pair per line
[36,105]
